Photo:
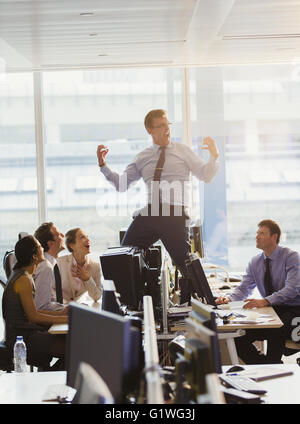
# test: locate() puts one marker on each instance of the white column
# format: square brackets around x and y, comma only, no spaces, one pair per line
[186,119]
[186,108]
[39,142]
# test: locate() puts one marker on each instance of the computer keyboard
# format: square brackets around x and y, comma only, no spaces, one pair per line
[243,383]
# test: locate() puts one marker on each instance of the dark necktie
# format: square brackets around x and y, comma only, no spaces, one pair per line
[157,174]
[268,279]
[160,164]
[58,288]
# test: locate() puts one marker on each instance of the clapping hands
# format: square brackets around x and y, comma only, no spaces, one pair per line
[82,272]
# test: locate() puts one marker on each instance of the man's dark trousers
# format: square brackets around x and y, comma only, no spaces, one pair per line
[275,338]
[171,230]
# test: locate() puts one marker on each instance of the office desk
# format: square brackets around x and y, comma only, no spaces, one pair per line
[29,387]
[282,390]
[229,353]
[268,310]
[63,328]
[228,332]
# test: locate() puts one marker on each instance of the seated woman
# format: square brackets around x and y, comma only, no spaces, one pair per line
[79,273]
[20,314]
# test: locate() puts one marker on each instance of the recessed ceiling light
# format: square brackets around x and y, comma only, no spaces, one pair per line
[285,48]
[259,36]
[87,13]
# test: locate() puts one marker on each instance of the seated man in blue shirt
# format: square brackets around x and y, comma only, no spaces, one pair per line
[166,168]
[276,274]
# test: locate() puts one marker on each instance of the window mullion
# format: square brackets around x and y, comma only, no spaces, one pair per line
[39,143]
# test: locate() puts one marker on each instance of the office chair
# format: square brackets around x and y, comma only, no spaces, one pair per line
[6,363]
[291,347]
[6,356]
[8,262]
[91,388]
[3,282]
[9,258]
[6,359]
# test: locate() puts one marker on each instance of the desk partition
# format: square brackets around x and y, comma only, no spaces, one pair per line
[152,368]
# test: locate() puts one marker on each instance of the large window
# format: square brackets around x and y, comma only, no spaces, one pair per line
[18,181]
[253,113]
[83,109]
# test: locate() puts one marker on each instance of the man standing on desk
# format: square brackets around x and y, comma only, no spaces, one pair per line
[276,274]
[165,168]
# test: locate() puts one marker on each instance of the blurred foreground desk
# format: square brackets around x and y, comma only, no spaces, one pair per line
[281,390]
[29,387]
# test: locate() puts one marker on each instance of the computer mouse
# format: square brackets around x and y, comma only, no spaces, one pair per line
[235,368]
[224,287]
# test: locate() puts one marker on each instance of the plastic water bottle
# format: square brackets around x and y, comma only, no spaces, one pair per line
[20,364]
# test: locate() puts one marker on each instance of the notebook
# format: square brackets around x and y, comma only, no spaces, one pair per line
[265,373]
[238,304]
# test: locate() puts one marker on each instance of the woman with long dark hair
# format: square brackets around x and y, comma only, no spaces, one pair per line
[20,314]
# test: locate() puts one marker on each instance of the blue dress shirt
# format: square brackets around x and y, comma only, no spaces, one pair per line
[180,162]
[285,274]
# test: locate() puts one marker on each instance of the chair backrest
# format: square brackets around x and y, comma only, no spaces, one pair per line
[2,282]
[8,262]
[6,363]
[91,388]
[9,258]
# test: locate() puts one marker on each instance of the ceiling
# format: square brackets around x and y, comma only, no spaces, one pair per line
[51,34]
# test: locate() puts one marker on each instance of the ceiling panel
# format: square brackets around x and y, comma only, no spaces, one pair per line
[45,34]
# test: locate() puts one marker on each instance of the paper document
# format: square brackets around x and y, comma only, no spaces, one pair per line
[265,373]
[56,392]
[250,321]
[238,304]
[179,309]
[244,316]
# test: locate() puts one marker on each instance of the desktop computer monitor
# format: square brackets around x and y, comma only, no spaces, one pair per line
[110,298]
[197,240]
[198,361]
[199,283]
[107,342]
[203,315]
[125,267]
[121,235]
[201,357]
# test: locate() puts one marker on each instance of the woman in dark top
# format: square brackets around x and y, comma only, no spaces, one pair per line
[20,314]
